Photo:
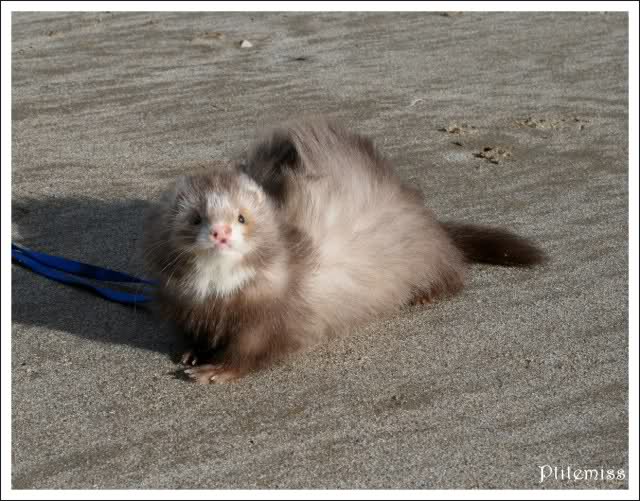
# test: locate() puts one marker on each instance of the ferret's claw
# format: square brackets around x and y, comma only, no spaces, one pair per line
[207,373]
[189,358]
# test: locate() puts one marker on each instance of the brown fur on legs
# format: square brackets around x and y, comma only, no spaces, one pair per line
[248,349]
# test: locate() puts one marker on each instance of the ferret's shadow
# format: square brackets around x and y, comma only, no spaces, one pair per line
[105,233]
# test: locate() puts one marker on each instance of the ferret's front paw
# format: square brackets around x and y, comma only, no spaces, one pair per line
[208,373]
[422,299]
[189,358]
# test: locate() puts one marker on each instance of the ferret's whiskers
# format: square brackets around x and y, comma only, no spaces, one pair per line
[181,252]
[174,270]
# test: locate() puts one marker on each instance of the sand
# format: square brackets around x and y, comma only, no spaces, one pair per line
[512,119]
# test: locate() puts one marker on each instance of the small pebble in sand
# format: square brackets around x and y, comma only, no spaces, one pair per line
[551,123]
[458,129]
[245,44]
[212,35]
[493,154]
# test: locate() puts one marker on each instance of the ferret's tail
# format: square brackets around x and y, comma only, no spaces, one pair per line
[484,244]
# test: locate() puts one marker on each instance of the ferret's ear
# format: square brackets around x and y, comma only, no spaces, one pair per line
[253,187]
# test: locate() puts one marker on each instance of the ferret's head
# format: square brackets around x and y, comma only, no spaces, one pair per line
[219,214]
[221,225]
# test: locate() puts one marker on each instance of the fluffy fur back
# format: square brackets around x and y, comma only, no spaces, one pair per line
[376,245]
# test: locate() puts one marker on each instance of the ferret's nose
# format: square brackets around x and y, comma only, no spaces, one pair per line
[220,232]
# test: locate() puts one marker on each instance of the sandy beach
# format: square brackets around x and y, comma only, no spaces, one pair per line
[511,119]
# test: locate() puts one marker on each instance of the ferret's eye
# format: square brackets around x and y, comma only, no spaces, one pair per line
[241,219]
[195,219]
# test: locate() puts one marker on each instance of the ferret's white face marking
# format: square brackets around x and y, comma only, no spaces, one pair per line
[217,201]
[218,268]
[218,274]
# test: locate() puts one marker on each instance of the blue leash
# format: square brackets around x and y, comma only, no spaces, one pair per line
[69,272]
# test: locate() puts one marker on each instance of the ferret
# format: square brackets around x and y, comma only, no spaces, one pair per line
[306,237]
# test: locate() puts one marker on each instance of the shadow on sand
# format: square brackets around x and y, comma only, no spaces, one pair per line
[101,232]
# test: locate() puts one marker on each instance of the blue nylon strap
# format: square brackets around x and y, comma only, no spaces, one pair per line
[69,272]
